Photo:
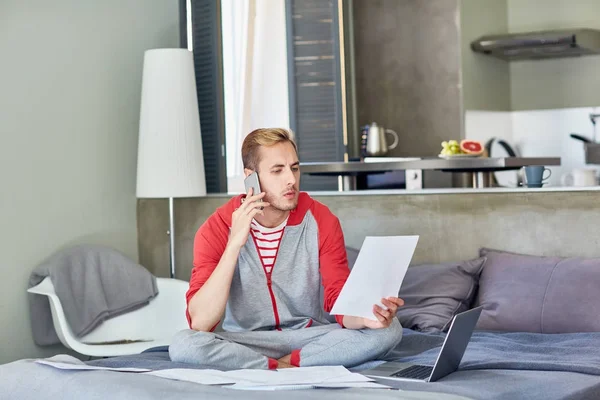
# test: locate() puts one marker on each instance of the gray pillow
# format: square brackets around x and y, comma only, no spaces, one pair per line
[434,293]
[526,293]
[352,254]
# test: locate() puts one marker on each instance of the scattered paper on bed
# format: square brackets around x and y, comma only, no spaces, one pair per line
[330,375]
[287,376]
[216,377]
[241,379]
[66,362]
[377,273]
[202,376]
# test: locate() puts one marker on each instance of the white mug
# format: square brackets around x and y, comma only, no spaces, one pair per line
[580,177]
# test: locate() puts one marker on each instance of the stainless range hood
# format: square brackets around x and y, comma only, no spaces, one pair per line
[540,45]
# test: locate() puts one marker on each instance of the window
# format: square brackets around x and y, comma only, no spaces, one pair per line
[315,63]
[205,42]
[254,73]
[270,63]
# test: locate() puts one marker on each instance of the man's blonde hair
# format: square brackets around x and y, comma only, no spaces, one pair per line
[263,137]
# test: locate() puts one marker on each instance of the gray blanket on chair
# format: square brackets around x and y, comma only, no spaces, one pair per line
[93,283]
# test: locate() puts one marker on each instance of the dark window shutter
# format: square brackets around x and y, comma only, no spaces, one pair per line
[206,45]
[314,84]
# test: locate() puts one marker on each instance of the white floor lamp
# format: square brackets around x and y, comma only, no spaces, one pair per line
[170,162]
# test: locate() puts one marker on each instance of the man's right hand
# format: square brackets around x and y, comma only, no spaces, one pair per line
[242,217]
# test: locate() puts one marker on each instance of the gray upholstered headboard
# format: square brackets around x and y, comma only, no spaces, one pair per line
[452,225]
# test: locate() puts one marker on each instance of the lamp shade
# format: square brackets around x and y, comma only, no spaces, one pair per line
[170,162]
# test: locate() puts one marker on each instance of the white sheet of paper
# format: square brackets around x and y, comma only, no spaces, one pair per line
[217,377]
[242,379]
[201,376]
[315,375]
[378,272]
[256,377]
[66,362]
[310,378]
[251,376]
[368,385]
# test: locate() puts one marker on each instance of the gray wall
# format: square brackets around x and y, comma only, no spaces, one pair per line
[69,109]
[452,226]
[571,82]
[407,60]
[485,80]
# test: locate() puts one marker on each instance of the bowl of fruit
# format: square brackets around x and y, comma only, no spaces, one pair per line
[464,148]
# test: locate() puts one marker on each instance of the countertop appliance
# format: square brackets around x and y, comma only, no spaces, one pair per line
[540,44]
[374,140]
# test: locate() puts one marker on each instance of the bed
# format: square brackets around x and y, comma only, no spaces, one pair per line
[495,366]
[538,337]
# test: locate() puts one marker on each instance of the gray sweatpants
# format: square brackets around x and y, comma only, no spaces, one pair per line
[318,345]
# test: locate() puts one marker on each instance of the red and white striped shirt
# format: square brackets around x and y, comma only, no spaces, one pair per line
[267,242]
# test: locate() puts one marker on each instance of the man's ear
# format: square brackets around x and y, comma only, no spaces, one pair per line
[247,172]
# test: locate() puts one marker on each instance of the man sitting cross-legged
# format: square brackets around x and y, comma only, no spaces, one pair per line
[260,264]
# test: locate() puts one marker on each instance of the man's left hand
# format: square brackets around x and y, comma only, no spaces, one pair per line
[384,317]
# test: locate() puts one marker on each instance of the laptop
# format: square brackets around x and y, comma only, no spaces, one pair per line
[448,359]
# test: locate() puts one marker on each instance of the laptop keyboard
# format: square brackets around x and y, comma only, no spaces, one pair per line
[414,372]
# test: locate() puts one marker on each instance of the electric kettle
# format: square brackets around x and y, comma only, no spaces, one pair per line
[374,141]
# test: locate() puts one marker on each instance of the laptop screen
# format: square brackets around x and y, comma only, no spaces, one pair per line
[455,344]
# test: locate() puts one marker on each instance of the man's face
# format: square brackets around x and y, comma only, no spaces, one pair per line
[279,175]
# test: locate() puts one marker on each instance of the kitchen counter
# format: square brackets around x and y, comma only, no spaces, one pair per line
[458,191]
[479,167]
[437,191]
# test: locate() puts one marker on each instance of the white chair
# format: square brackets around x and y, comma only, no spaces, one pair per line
[131,333]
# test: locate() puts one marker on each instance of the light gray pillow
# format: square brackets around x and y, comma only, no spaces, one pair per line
[434,293]
[352,254]
[526,293]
